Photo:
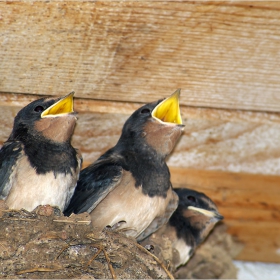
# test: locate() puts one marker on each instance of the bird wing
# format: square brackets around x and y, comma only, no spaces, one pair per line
[9,155]
[161,220]
[95,182]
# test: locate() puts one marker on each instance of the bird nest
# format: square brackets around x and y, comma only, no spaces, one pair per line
[45,244]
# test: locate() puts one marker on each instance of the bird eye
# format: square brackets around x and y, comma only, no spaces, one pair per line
[191,198]
[39,109]
[145,111]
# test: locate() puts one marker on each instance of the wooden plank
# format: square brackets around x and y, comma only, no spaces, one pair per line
[217,181]
[222,54]
[213,139]
[254,195]
[250,213]
[261,239]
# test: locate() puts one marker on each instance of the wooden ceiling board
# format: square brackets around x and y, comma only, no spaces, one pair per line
[222,54]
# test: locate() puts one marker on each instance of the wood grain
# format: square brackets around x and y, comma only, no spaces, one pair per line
[261,239]
[245,191]
[222,54]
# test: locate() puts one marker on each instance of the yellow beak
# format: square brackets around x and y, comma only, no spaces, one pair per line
[207,213]
[63,106]
[168,111]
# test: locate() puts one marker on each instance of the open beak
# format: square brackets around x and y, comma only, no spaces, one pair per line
[168,111]
[63,106]
[211,214]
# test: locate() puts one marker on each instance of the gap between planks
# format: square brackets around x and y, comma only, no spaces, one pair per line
[122,107]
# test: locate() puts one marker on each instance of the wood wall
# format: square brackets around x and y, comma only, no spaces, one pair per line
[117,55]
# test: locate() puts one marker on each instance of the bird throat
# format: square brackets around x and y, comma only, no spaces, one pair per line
[184,230]
[48,156]
[57,129]
[162,137]
[149,171]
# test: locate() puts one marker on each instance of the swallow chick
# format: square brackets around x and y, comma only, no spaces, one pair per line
[38,165]
[189,225]
[129,186]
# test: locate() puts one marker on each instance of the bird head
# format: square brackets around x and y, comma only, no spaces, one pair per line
[158,123]
[52,118]
[195,216]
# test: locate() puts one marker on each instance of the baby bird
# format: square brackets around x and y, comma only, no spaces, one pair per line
[188,226]
[38,165]
[129,186]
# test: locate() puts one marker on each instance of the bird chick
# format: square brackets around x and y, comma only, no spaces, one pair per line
[188,226]
[129,186]
[38,165]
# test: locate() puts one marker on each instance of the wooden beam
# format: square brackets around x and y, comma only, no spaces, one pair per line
[222,54]
[261,239]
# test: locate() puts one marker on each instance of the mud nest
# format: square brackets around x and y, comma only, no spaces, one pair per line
[45,244]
